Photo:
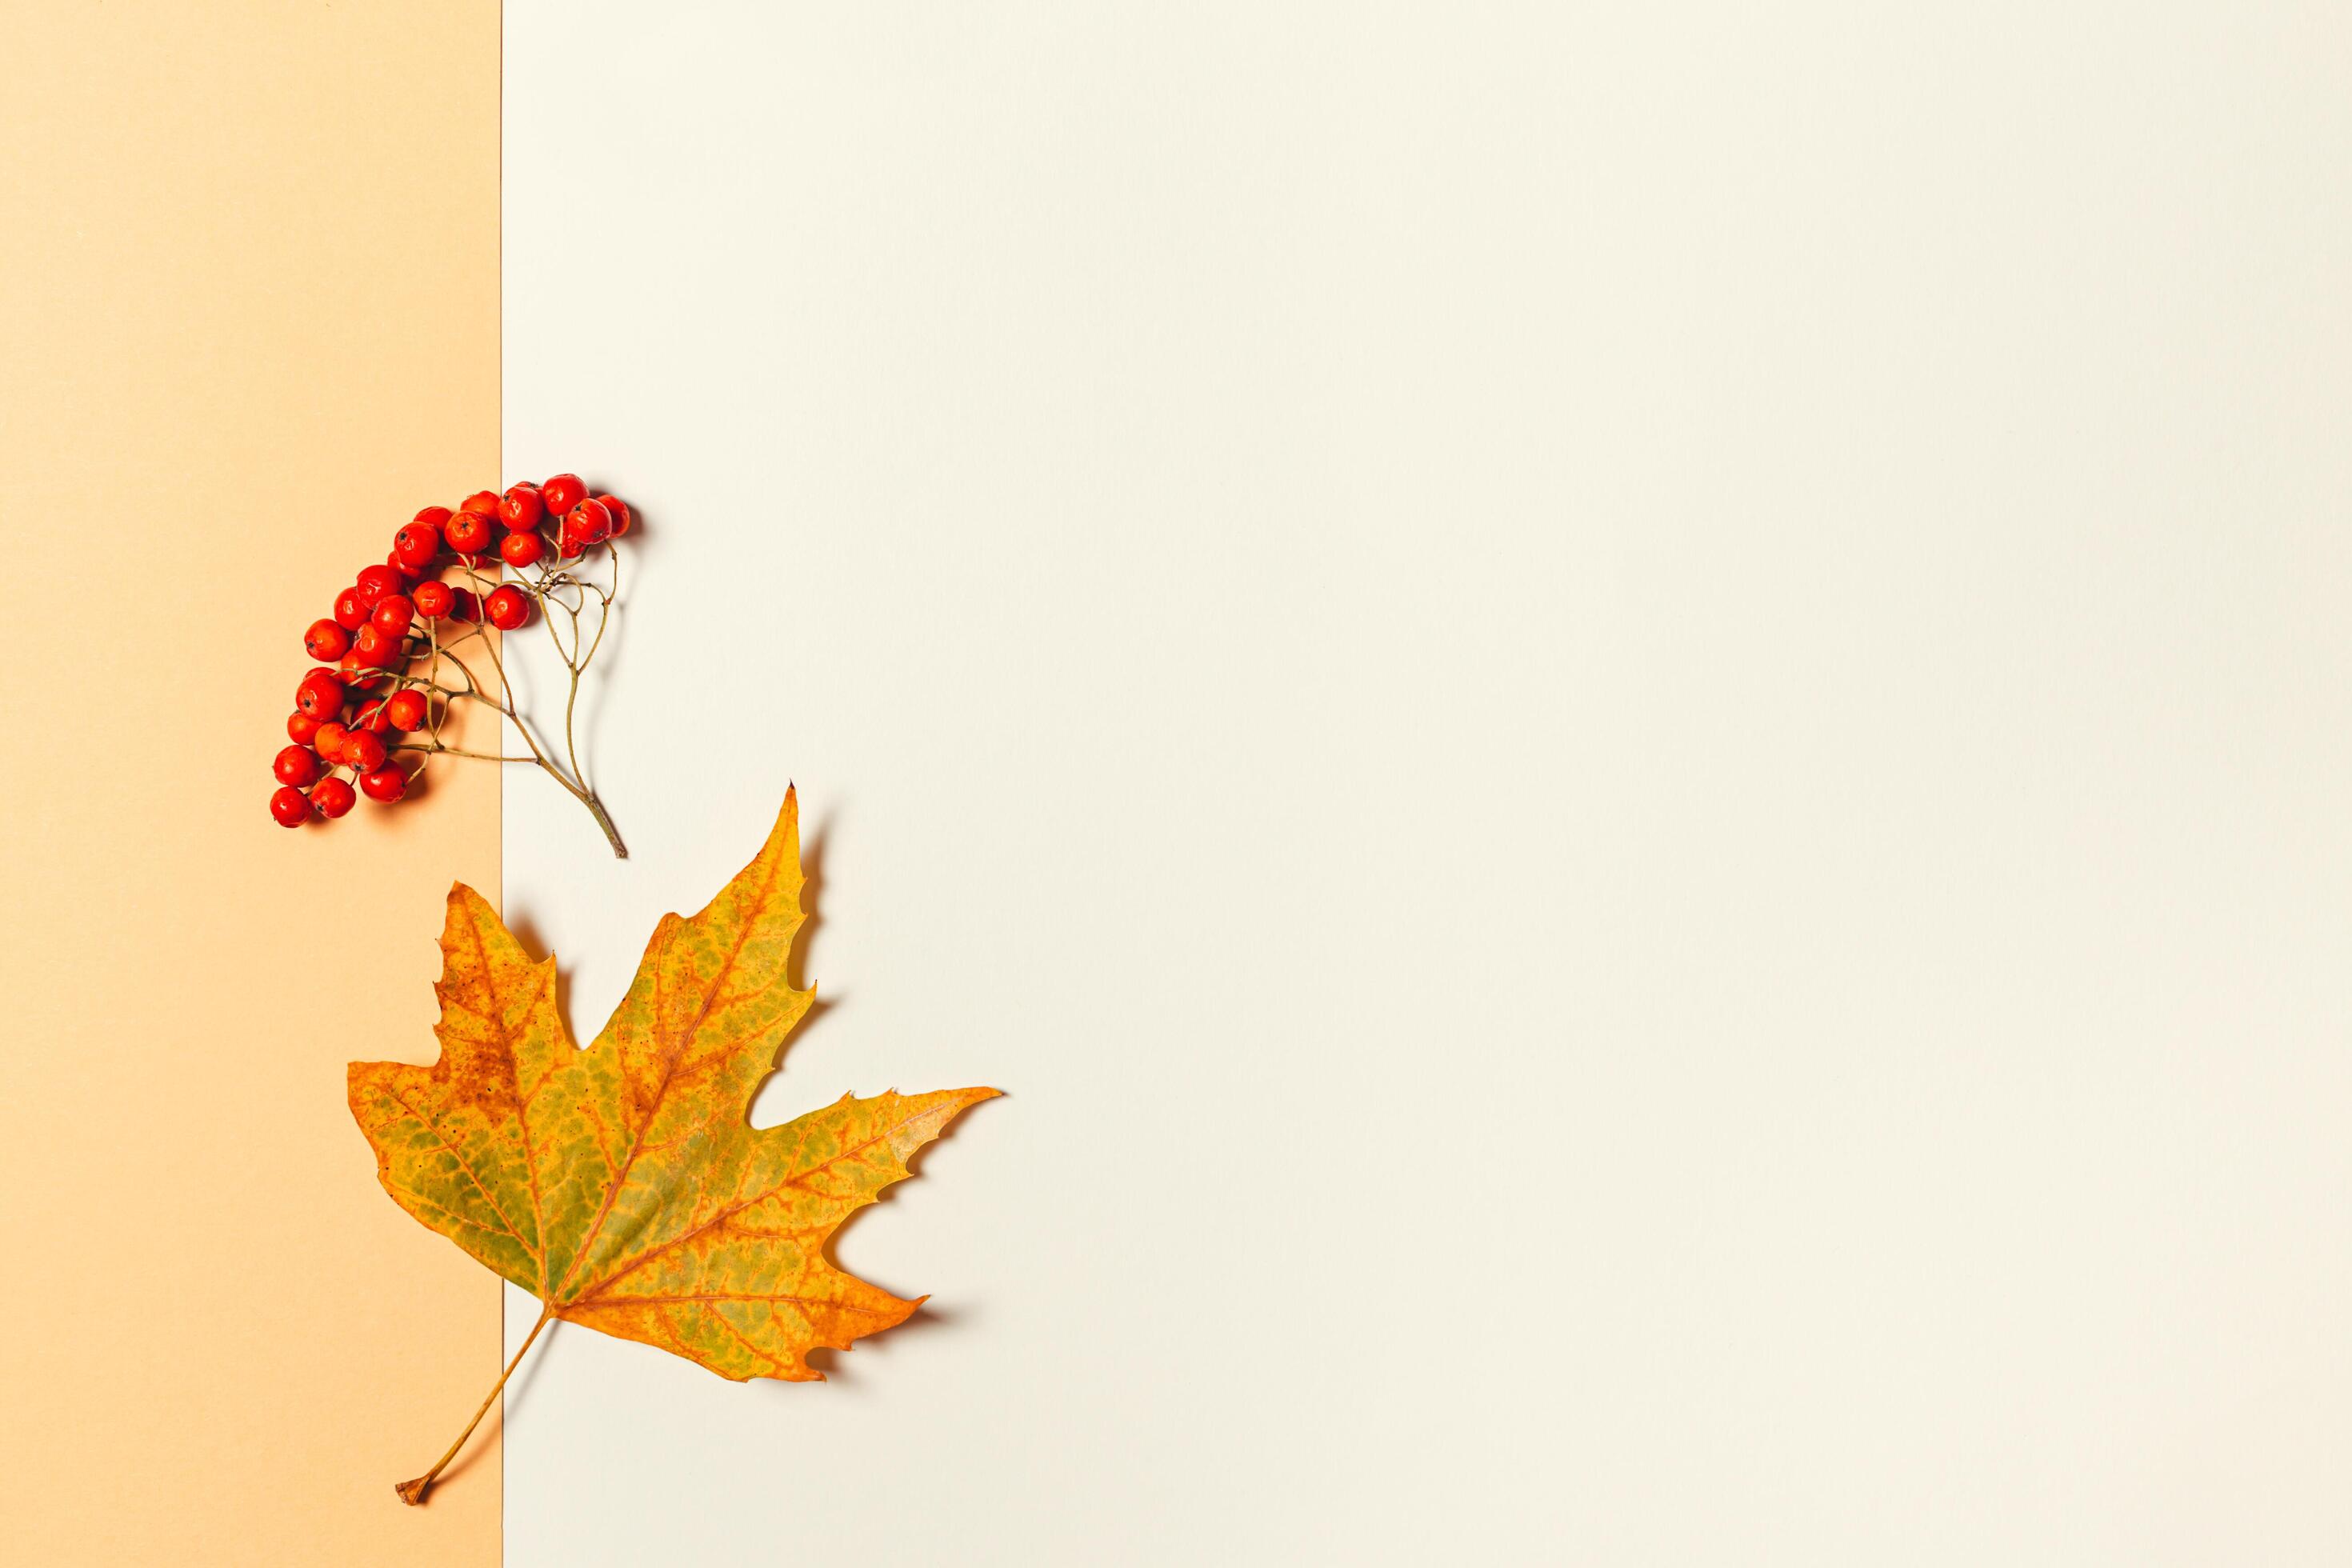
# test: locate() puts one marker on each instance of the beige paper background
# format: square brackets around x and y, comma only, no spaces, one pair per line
[249,322]
[1628,726]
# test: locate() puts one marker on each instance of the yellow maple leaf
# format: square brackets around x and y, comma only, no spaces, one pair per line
[622,1185]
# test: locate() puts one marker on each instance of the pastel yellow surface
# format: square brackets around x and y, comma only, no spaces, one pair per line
[249,322]
[623,1185]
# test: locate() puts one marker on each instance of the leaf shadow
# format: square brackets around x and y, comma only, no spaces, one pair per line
[491,1435]
[836,1371]
[527,1373]
[813,850]
[927,1317]
[813,857]
[525,930]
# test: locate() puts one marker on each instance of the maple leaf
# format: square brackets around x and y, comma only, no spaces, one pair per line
[623,1185]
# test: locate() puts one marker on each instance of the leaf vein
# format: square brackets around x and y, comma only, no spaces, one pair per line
[734,952]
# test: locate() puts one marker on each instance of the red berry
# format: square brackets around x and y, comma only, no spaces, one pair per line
[433,517]
[363,750]
[563,492]
[508,607]
[591,521]
[320,695]
[290,806]
[326,641]
[520,549]
[401,568]
[481,504]
[415,545]
[386,784]
[523,507]
[464,605]
[375,582]
[369,718]
[405,711]
[374,646]
[469,532]
[296,765]
[331,798]
[622,516]
[301,727]
[432,599]
[329,740]
[393,613]
[349,611]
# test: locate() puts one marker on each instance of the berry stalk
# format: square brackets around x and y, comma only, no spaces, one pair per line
[389,662]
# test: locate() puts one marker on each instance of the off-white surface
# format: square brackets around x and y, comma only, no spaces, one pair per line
[1628,729]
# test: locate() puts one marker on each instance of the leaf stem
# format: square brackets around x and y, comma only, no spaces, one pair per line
[412,1492]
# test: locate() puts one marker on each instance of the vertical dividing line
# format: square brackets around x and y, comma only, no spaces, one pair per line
[499,810]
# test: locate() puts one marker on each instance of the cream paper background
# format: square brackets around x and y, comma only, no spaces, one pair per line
[1626,725]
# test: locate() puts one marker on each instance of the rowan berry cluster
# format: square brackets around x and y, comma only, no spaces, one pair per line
[392,661]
